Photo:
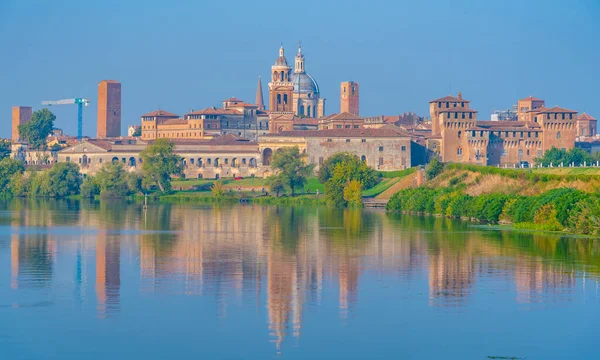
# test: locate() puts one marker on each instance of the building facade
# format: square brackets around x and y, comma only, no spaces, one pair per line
[466,139]
[109,109]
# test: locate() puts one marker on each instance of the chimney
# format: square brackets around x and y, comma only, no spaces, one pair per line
[459,95]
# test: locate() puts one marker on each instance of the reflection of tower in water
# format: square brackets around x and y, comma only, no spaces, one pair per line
[451,274]
[536,279]
[281,288]
[31,260]
[108,275]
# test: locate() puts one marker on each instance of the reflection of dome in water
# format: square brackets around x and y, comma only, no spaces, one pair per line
[305,84]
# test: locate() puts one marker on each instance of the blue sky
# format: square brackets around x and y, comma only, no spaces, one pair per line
[181,55]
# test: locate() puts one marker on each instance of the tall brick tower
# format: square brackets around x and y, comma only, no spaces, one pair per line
[20,115]
[349,97]
[109,109]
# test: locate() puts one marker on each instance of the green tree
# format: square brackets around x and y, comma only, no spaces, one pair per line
[434,168]
[276,184]
[114,181]
[353,193]
[9,168]
[326,169]
[556,156]
[4,149]
[292,168]
[350,169]
[138,131]
[37,129]
[159,163]
[217,189]
[62,179]
[90,187]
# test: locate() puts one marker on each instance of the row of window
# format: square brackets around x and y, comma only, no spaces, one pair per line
[199,162]
[455,104]
[463,115]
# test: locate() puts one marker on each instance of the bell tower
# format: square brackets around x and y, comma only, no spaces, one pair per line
[281,87]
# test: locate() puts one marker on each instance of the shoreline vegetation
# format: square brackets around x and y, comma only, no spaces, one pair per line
[528,200]
[565,199]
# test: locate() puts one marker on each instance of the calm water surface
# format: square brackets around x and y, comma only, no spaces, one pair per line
[107,280]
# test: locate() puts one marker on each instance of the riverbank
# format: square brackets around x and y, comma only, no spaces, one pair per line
[522,199]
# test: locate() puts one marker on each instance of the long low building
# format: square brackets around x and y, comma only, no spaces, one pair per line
[386,149]
[223,156]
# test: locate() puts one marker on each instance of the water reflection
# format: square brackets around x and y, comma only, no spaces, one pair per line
[285,260]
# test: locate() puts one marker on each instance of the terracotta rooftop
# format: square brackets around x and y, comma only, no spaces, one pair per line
[384,131]
[159,113]
[531,98]
[174,122]
[458,109]
[306,121]
[104,144]
[505,126]
[450,98]
[344,116]
[217,140]
[215,111]
[233,99]
[555,109]
[584,116]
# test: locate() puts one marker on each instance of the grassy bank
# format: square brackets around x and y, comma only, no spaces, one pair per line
[550,202]
[208,197]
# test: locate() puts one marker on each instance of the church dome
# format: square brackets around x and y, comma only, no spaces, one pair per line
[305,84]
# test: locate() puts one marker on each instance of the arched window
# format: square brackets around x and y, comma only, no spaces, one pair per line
[279,98]
[252,162]
[208,161]
[281,76]
[459,134]
[363,158]
[285,99]
[267,155]
[132,161]
[459,151]
[115,159]
[217,162]
[199,176]
[199,162]
[301,109]
[192,161]
[308,111]
[558,135]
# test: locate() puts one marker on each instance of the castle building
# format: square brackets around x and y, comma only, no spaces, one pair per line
[465,139]
[20,115]
[109,109]
[349,97]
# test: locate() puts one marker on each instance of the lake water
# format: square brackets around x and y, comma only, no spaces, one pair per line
[108,280]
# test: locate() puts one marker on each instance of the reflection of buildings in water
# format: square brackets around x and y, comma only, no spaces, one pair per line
[451,274]
[348,273]
[281,294]
[536,279]
[108,274]
[31,260]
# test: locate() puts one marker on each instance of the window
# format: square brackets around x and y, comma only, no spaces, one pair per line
[456,115]
[356,126]
[100,160]
[558,135]
[363,158]
[570,116]
[470,115]
[540,153]
[285,99]
[321,160]
[459,151]
[529,134]
[463,115]
[328,140]
[521,134]
[244,161]
[279,98]
[520,152]
[503,152]
[347,140]
[462,104]
[536,134]
[363,140]
[563,116]
[381,148]
[514,134]
[380,161]
[473,133]
[338,126]
[347,126]
[403,148]
[440,104]
[447,105]
[527,151]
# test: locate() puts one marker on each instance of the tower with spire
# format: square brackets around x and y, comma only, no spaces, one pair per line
[259,96]
[281,86]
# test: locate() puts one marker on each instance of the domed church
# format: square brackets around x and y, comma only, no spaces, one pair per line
[296,93]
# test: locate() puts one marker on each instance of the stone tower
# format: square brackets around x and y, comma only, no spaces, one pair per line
[349,97]
[259,96]
[281,86]
[20,115]
[109,109]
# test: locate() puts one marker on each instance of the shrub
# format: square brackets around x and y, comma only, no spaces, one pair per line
[353,193]
[218,190]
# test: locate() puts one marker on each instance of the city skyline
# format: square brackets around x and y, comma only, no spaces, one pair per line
[401,62]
